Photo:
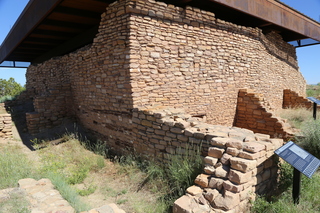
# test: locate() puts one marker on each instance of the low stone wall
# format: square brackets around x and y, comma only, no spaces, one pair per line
[235,171]
[291,99]
[5,123]
[51,108]
[255,113]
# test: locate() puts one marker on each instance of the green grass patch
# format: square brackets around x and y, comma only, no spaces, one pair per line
[309,199]
[67,192]
[311,139]
[296,117]
[14,165]
[16,204]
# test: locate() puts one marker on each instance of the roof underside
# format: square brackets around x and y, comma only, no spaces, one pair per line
[52,28]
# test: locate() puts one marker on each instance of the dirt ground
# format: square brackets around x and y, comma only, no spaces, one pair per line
[112,186]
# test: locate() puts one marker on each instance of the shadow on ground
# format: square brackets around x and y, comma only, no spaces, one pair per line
[18,110]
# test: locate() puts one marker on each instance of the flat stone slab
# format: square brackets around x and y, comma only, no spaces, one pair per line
[43,197]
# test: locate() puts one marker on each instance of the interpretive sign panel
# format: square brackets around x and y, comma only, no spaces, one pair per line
[314,100]
[300,159]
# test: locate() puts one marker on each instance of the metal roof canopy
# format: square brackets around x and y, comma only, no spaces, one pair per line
[52,28]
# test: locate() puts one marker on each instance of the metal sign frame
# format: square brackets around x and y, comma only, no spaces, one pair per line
[302,161]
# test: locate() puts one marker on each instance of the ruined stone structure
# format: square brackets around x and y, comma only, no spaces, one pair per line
[160,79]
[149,53]
[234,172]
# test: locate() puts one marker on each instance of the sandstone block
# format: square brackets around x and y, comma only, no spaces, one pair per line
[222,171]
[216,134]
[202,180]
[182,205]
[208,169]
[225,159]
[233,151]
[211,194]
[246,194]
[239,177]
[216,183]
[146,123]
[227,185]
[177,130]
[234,143]
[242,165]
[194,190]
[215,152]
[210,160]
[228,201]
[250,156]
[220,142]
[261,137]
[253,147]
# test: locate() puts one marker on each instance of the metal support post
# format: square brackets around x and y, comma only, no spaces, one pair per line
[315,111]
[296,186]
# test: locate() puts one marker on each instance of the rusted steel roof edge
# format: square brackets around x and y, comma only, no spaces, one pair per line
[277,13]
[25,24]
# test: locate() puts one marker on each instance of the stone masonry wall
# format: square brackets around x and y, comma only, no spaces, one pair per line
[292,100]
[255,113]
[189,59]
[238,162]
[151,53]
[234,173]
[5,123]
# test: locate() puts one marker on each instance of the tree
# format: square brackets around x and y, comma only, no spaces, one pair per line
[10,87]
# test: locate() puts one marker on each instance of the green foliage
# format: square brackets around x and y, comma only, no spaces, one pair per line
[87,191]
[285,176]
[16,204]
[10,88]
[311,137]
[296,116]
[77,175]
[283,202]
[121,201]
[313,90]
[182,170]
[13,166]
[67,192]
[6,98]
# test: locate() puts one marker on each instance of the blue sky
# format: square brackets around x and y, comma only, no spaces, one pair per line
[308,57]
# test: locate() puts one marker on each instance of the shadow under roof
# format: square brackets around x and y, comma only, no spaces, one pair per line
[49,28]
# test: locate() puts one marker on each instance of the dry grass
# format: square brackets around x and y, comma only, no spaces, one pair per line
[296,116]
[101,180]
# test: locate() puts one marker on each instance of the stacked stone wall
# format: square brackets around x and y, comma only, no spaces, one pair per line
[151,53]
[255,113]
[51,107]
[5,123]
[190,59]
[238,164]
[235,172]
[293,100]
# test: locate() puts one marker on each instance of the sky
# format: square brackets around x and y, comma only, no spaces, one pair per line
[308,57]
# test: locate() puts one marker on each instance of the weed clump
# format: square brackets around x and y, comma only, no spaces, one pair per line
[311,137]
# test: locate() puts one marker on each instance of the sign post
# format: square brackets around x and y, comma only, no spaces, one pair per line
[296,186]
[315,103]
[302,161]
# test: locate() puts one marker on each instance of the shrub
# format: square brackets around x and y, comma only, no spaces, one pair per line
[10,88]
[311,137]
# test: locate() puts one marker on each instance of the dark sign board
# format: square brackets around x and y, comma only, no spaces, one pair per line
[300,159]
[314,100]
